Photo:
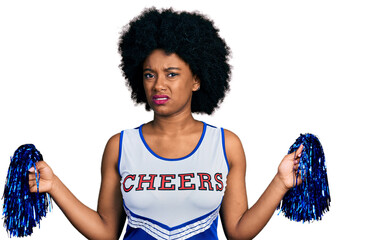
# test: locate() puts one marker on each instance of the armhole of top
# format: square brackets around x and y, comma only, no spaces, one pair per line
[224,148]
[120,150]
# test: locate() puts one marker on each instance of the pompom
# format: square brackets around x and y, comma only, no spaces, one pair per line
[310,200]
[22,209]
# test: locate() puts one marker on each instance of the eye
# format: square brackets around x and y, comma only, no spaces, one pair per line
[148,76]
[172,74]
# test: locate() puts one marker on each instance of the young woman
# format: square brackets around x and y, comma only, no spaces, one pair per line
[172,177]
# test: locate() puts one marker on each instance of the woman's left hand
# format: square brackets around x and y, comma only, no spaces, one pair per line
[288,169]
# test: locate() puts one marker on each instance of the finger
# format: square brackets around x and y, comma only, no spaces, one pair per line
[299,151]
[32,182]
[40,165]
[32,186]
[296,167]
[299,179]
[32,176]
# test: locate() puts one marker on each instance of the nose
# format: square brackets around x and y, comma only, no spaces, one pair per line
[160,83]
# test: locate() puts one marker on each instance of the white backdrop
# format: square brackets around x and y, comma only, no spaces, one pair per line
[298,66]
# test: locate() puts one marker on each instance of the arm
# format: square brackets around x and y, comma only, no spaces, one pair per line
[239,222]
[105,223]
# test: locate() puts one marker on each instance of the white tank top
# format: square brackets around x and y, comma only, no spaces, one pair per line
[172,198]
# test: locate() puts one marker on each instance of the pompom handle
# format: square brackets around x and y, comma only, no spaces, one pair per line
[310,200]
[23,210]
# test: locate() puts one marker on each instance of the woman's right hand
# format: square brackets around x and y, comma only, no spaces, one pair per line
[46,177]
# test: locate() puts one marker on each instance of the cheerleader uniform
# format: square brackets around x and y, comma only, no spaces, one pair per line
[172,198]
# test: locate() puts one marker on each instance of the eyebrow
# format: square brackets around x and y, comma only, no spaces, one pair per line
[167,69]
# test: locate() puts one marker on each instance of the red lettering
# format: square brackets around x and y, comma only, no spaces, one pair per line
[141,181]
[166,178]
[205,178]
[218,179]
[183,181]
[131,186]
[166,182]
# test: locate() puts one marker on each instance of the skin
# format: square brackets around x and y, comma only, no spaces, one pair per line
[172,125]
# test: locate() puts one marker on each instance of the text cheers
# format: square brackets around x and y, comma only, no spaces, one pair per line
[171,182]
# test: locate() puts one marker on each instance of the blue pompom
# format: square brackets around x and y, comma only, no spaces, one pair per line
[23,210]
[310,200]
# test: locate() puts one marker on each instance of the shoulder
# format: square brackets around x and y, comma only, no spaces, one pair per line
[232,141]
[114,141]
[231,137]
[234,148]
[111,151]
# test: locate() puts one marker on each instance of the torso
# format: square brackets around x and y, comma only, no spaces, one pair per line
[173,190]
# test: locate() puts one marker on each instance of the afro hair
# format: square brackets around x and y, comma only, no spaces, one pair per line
[192,37]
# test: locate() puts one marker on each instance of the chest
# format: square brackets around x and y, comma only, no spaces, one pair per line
[173,190]
[173,193]
[172,147]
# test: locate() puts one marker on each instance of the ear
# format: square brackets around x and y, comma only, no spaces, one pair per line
[196,83]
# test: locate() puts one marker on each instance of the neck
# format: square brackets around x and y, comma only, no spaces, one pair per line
[174,124]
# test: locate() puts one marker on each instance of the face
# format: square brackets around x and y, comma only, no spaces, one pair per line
[168,83]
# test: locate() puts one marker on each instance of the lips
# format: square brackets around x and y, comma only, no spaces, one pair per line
[160,99]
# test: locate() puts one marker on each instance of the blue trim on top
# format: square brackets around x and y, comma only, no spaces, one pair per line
[172,159]
[211,126]
[120,150]
[138,233]
[224,148]
[164,226]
